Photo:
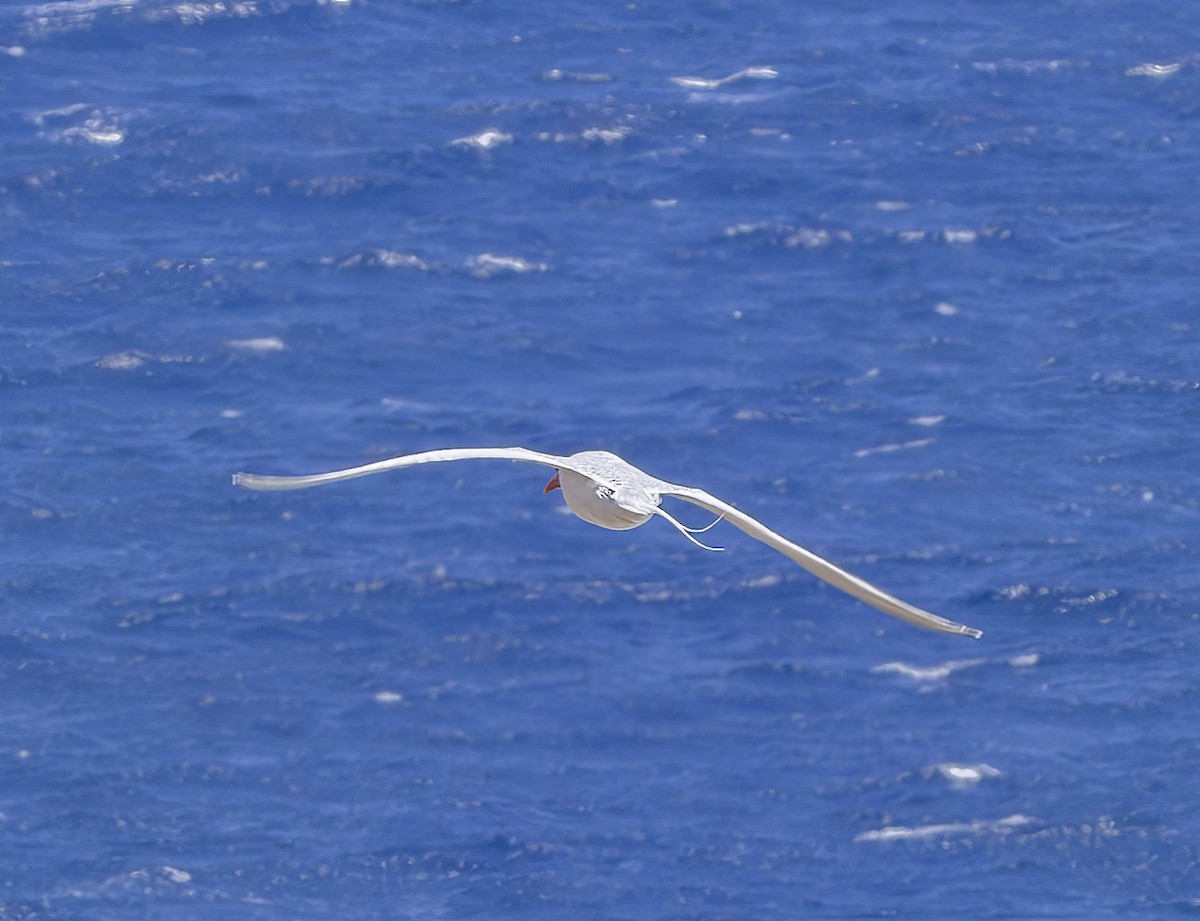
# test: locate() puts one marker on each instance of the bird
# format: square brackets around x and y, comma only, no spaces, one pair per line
[605,490]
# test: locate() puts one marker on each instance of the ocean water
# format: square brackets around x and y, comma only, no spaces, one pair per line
[913,283]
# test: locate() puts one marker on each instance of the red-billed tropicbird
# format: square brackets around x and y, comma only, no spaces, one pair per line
[605,490]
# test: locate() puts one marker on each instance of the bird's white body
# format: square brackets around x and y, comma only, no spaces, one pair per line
[607,491]
[595,503]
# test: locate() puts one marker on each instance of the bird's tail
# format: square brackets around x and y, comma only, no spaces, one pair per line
[688,532]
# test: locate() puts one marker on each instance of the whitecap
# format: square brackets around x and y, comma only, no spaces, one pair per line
[105,138]
[135,358]
[1154,70]
[1096,597]
[1009,65]
[391,259]
[894,446]
[744,229]
[175,875]
[607,135]
[590,135]
[807,238]
[485,265]
[384,258]
[484,140]
[962,775]
[195,14]
[74,108]
[816,238]
[74,15]
[704,83]
[260,344]
[69,15]
[104,127]
[555,75]
[77,6]
[123,361]
[928,673]
[768,581]
[980,827]
[789,235]
[222,176]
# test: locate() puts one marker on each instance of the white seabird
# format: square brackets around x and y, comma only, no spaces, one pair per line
[607,491]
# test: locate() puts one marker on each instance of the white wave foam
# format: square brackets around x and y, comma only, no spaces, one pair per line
[104,127]
[962,775]
[261,344]
[193,14]
[175,875]
[789,235]
[97,133]
[889,448]
[68,15]
[604,136]
[384,258]
[45,19]
[950,235]
[902,833]
[607,135]
[555,75]
[485,265]
[1011,66]
[704,83]
[814,238]
[1159,71]
[122,361]
[929,673]
[135,358]
[486,139]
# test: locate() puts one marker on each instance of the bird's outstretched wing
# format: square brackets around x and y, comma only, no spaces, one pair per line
[822,569]
[258,481]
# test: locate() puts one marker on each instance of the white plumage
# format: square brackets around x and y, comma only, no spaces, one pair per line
[605,490]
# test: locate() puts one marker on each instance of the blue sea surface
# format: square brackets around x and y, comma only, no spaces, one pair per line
[913,283]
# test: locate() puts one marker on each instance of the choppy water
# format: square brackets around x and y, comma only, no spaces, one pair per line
[915,284]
